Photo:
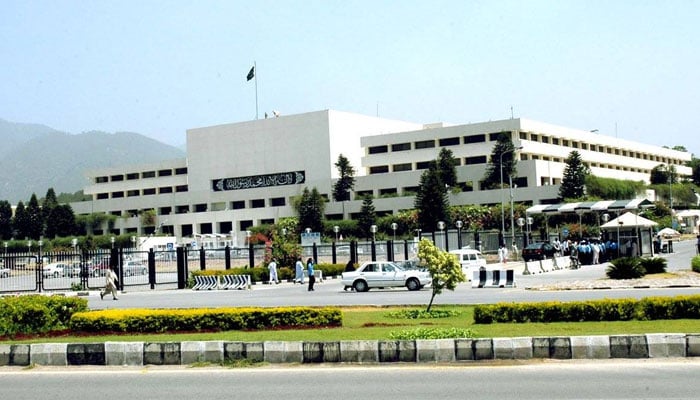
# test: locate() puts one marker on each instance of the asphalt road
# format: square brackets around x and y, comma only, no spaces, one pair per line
[330,292]
[610,379]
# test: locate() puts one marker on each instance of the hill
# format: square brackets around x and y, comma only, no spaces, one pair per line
[35,157]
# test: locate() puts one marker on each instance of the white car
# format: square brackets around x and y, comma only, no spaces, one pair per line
[131,268]
[381,274]
[55,270]
[470,260]
[4,272]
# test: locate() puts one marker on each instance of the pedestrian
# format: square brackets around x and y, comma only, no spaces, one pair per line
[596,253]
[310,272]
[110,285]
[349,267]
[299,266]
[505,254]
[698,250]
[501,255]
[272,267]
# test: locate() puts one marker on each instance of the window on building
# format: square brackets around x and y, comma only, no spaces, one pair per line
[278,202]
[379,169]
[378,149]
[165,172]
[401,167]
[401,147]
[165,211]
[101,196]
[237,205]
[133,193]
[201,207]
[493,137]
[467,186]
[361,194]
[117,195]
[148,174]
[132,176]
[523,135]
[388,192]
[186,230]
[101,179]
[565,143]
[149,191]
[534,138]
[475,160]
[244,225]
[165,189]
[574,145]
[410,190]
[453,141]
[181,171]
[181,188]
[267,221]
[422,165]
[555,141]
[205,228]
[218,206]
[584,146]
[474,139]
[257,203]
[182,209]
[425,144]
[545,139]
[116,178]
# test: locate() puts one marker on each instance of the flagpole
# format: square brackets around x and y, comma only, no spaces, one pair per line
[255,68]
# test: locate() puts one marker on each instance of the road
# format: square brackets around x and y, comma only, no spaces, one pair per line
[330,292]
[611,379]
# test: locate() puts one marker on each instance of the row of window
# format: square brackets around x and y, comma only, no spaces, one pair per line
[533,137]
[431,143]
[141,192]
[131,176]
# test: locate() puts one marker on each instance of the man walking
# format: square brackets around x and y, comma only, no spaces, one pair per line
[272,267]
[110,285]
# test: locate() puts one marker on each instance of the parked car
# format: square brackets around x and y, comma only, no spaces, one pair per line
[381,274]
[538,251]
[470,260]
[55,270]
[73,270]
[132,268]
[4,272]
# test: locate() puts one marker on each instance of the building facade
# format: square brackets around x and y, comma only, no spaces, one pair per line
[244,174]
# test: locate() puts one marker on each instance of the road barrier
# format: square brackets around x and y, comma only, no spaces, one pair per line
[209,282]
[497,278]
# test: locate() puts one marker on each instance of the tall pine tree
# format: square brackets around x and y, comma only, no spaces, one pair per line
[346,181]
[447,167]
[573,184]
[431,199]
[368,216]
[502,159]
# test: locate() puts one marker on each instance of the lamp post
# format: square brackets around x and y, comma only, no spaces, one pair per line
[336,229]
[459,224]
[133,242]
[512,224]
[373,229]
[112,240]
[521,223]
[529,221]
[500,162]
[619,224]
[29,246]
[394,225]
[441,227]
[580,224]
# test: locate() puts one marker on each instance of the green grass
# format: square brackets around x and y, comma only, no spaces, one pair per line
[375,323]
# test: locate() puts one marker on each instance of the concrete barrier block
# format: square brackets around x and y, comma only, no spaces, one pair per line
[666,345]
[551,347]
[320,352]
[541,347]
[359,351]
[464,349]
[277,352]
[438,350]
[483,349]
[124,353]
[692,348]
[397,351]
[331,352]
[5,354]
[167,353]
[595,347]
[629,346]
[252,351]
[207,351]
[85,354]
[512,348]
[48,354]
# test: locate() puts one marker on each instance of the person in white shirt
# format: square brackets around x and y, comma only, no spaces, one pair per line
[110,285]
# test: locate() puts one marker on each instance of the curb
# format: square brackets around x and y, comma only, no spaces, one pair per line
[659,345]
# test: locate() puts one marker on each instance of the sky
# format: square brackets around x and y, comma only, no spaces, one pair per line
[629,69]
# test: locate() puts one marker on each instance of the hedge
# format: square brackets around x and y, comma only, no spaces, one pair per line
[212,319]
[649,308]
[37,313]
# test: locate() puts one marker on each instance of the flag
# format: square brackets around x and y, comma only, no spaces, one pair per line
[251,74]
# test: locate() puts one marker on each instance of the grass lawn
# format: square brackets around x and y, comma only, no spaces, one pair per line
[373,323]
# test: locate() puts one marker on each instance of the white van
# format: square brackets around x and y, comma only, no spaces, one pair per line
[470,260]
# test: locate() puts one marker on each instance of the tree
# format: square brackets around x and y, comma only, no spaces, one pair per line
[502,155]
[663,174]
[431,199]
[444,268]
[694,163]
[447,167]
[573,184]
[285,244]
[5,220]
[19,222]
[47,209]
[62,222]
[368,216]
[346,180]
[35,220]
[310,208]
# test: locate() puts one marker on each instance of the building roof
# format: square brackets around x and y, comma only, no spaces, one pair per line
[628,220]
[588,206]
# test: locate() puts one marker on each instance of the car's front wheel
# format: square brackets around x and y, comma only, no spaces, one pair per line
[413,284]
[360,286]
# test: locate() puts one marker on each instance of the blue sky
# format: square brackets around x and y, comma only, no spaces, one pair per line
[626,68]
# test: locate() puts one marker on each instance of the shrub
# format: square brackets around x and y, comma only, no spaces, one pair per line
[654,265]
[695,264]
[432,333]
[37,313]
[422,314]
[625,268]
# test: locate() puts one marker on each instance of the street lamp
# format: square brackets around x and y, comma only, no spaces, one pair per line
[441,226]
[619,224]
[336,229]
[111,240]
[459,224]
[133,242]
[373,229]
[394,225]
[29,246]
[510,183]
[6,247]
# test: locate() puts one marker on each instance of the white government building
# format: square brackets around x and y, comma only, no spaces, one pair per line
[244,174]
